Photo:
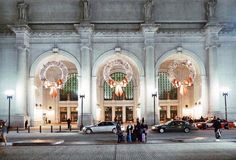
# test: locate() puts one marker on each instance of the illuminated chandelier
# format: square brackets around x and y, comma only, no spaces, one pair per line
[118,85]
[181,74]
[57,82]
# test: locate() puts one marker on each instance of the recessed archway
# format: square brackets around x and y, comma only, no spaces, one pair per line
[44,107]
[194,102]
[100,105]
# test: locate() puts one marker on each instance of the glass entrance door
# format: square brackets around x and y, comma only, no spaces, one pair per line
[118,113]
[163,113]
[108,114]
[129,113]
[63,114]
[74,114]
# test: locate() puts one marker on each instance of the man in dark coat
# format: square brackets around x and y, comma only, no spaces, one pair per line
[217,126]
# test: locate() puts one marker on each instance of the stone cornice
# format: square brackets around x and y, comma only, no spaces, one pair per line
[118,34]
[20,29]
[213,28]
[54,34]
[84,28]
[149,28]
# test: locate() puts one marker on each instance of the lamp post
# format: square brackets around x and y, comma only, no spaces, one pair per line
[82,96]
[154,95]
[225,94]
[9,94]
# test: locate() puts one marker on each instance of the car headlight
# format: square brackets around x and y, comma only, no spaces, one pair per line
[153,127]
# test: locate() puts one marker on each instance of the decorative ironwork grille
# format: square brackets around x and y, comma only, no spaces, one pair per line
[109,92]
[70,89]
[165,88]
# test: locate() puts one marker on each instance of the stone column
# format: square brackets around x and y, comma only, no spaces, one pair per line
[32,102]
[204,100]
[85,31]
[212,45]
[22,47]
[149,31]
[94,100]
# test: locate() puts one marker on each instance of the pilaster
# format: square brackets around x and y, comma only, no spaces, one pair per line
[22,47]
[211,46]
[149,31]
[86,31]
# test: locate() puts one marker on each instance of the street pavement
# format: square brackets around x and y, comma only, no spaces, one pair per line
[196,145]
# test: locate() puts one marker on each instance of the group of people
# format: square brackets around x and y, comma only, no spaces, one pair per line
[4,132]
[134,133]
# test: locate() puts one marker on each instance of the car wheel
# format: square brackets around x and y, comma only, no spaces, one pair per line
[161,130]
[113,130]
[88,131]
[186,130]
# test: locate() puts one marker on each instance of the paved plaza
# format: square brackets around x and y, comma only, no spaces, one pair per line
[174,151]
[197,145]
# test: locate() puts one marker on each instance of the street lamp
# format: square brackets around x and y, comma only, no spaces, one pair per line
[9,94]
[154,95]
[82,96]
[225,94]
[225,91]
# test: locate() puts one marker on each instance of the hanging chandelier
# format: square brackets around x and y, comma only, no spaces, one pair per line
[181,74]
[118,85]
[52,79]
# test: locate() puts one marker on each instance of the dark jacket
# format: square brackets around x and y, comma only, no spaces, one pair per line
[217,124]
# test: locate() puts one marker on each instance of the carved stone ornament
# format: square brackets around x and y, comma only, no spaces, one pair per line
[118,84]
[52,81]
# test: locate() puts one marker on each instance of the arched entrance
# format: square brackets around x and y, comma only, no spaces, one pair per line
[110,103]
[54,82]
[182,88]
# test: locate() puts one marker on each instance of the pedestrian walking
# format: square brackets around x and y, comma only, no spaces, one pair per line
[4,133]
[217,126]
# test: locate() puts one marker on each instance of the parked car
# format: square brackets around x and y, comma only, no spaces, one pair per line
[200,123]
[209,124]
[174,126]
[106,126]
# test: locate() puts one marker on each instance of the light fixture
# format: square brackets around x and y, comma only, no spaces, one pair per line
[154,95]
[9,94]
[225,91]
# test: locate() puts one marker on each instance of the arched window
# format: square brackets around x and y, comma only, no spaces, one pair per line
[165,88]
[70,89]
[109,93]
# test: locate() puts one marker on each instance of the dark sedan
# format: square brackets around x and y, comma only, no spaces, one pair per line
[173,126]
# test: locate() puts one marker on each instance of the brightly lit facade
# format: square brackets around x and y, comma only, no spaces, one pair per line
[117,54]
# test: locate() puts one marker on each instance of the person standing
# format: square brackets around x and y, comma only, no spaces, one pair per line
[119,132]
[26,124]
[217,126]
[129,131]
[68,123]
[4,133]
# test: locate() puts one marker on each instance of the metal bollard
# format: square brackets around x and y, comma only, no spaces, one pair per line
[60,128]
[29,129]
[40,129]
[17,129]
[51,129]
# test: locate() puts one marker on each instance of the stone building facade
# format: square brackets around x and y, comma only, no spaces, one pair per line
[176,56]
